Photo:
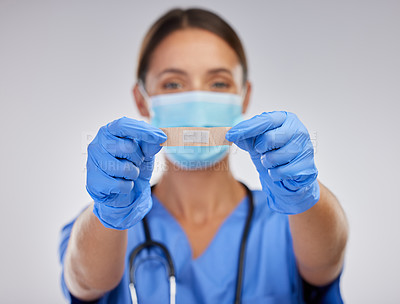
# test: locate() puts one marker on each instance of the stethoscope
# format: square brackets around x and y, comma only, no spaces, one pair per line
[149,242]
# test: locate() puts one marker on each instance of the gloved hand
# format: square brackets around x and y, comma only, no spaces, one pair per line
[281,149]
[119,166]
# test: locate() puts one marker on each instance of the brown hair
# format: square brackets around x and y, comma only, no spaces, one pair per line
[177,19]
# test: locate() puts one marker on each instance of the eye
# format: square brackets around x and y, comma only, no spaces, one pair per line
[172,85]
[220,85]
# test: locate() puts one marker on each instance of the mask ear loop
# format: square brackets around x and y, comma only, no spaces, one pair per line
[243,93]
[146,97]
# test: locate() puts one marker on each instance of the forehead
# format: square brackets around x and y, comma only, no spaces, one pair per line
[193,50]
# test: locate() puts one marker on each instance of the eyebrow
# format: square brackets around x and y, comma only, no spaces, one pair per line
[171,70]
[219,70]
[182,72]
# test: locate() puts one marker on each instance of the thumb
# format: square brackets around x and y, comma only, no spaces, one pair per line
[256,125]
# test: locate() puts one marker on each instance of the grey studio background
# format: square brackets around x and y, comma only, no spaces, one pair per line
[67,68]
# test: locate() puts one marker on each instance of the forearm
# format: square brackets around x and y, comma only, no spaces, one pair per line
[319,239]
[95,257]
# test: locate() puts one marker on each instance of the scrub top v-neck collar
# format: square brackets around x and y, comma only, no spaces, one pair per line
[239,212]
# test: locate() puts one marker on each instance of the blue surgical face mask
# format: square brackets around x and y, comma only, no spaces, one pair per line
[195,109]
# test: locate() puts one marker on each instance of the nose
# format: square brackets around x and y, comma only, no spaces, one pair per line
[198,85]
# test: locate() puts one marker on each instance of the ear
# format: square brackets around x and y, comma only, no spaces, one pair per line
[247,97]
[141,103]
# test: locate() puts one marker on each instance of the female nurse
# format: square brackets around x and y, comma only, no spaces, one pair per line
[224,243]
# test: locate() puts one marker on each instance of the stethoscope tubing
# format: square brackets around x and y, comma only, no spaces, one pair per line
[170,265]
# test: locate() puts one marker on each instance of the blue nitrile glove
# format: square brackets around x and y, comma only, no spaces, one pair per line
[281,150]
[119,166]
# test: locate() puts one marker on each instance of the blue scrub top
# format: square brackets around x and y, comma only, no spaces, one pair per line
[270,272]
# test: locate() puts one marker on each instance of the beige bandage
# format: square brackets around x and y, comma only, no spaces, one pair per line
[196,136]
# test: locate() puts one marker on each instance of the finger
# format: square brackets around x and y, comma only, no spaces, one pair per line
[256,125]
[302,165]
[146,169]
[103,185]
[113,166]
[138,130]
[121,147]
[281,156]
[300,181]
[149,150]
[276,138]
[247,145]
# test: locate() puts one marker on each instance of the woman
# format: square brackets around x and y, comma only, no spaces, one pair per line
[284,244]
